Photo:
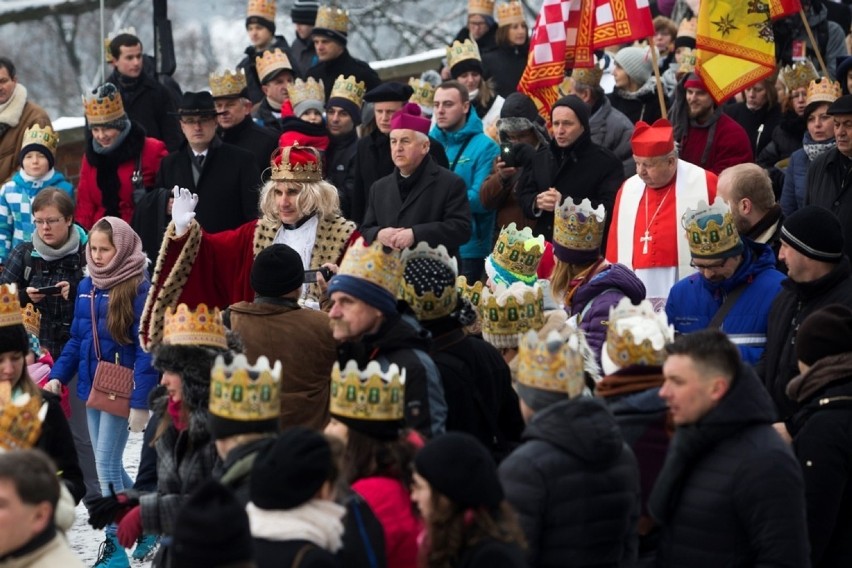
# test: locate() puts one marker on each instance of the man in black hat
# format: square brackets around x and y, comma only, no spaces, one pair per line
[304,15]
[224,176]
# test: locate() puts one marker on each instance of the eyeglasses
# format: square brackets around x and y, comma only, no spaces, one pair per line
[194,121]
[48,222]
[713,266]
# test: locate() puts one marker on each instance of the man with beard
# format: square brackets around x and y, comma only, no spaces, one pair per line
[747,189]
[735,284]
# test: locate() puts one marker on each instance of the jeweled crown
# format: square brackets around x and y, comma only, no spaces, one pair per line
[348,88]
[289,169]
[308,90]
[270,61]
[507,312]
[636,335]
[373,263]
[429,305]
[710,230]
[333,18]
[462,51]
[20,420]
[687,61]
[471,292]
[482,7]
[201,326]
[10,306]
[43,136]
[104,106]
[32,319]
[550,364]
[424,92]
[519,252]
[798,75]
[590,76]
[244,392]
[578,226]
[227,83]
[510,13]
[368,394]
[823,90]
[262,8]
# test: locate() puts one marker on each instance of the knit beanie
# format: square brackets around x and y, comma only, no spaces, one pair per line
[519,105]
[304,12]
[350,107]
[466,65]
[368,292]
[291,471]
[33,147]
[580,108]
[815,232]
[211,529]
[277,270]
[14,338]
[458,466]
[636,62]
[825,332]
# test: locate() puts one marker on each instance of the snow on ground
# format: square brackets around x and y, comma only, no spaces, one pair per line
[84,539]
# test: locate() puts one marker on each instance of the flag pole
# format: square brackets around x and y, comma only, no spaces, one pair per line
[813,43]
[656,65]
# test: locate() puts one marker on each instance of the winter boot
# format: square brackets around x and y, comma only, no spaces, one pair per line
[146,546]
[111,554]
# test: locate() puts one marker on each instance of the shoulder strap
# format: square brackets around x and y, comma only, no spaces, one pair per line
[297,561]
[95,326]
[459,155]
[726,306]
[28,267]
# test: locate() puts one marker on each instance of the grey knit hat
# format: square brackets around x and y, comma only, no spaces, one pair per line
[636,62]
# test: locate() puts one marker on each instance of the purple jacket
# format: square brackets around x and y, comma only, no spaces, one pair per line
[594,299]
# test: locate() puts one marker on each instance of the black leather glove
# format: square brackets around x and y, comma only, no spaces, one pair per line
[111,508]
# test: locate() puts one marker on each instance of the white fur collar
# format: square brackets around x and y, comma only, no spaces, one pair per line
[11,110]
[317,521]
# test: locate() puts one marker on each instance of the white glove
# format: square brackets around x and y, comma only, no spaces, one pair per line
[138,419]
[54,386]
[183,209]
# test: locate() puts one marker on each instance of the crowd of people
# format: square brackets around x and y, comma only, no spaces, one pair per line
[424,324]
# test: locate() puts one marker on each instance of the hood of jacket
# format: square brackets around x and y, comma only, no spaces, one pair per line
[616,276]
[400,331]
[746,403]
[757,257]
[472,127]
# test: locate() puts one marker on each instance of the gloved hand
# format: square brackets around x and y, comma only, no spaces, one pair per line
[183,209]
[111,508]
[130,527]
[138,419]
[54,386]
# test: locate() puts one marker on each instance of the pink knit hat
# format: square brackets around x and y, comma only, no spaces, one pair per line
[409,117]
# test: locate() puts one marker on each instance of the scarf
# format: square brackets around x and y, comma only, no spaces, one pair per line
[174,409]
[816,149]
[49,253]
[710,125]
[129,260]
[770,218]
[11,110]
[317,521]
[107,161]
[617,384]
[106,150]
[822,373]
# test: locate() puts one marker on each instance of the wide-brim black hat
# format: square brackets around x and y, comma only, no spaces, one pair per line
[843,105]
[197,104]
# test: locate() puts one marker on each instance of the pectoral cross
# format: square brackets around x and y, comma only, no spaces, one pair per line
[646,238]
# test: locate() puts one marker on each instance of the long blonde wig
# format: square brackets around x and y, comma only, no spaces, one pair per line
[316,197]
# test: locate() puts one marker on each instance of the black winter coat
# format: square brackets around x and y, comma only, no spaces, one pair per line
[255,93]
[248,135]
[56,441]
[345,65]
[792,305]
[575,485]
[227,187]
[338,159]
[262,114]
[731,493]
[490,553]
[645,107]
[436,207]
[759,124]
[506,65]
[828,184]
[235,471]
[149,104]
[283,553]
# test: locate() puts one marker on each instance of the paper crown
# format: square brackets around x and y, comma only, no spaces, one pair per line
[482,7]
[111,36]
[823,90]
[373,263]
[507,312]
[427,305]
[202,326]
[296,163]
[42,136]
[262,9]
[636,335]
[651,140]
[687,62]
[578,226]
[688,28]
[332,18]
[10,306]
[20,420]
[368,394]
[519,252]
[308,90]
[348,88]
[510,13]
[462,51]
[798,75]
[590,76]
[32,319]
[424,92]
[550,364]
[228,84]
[470,292]
[270,61]
[710,230]
[243,392]
[104,106]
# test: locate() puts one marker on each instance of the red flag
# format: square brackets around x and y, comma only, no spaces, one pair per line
[621,21]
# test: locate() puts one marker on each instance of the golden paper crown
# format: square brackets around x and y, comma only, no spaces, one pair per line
[507,312]
[371,394]
[202,326]
[517,251]
[590,76]
[424,92]
[710,229]
[10,306]
[482,7]
[578,226]
[309,90]
[332,18]
[108,40]
[261,8]
[289,168]
[688,28]
[687,62]
[243,392]
[459,52]
[43,136]
[104,106]
[636,335]
[348,88]
[270,61]
[20,420]
[471,292]
[550,364]
[510,13]
[798,75]
[374,263]
[428,305]
[228,84]
[32,319]
[823,90]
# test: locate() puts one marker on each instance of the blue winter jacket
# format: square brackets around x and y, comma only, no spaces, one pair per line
[693,301]
[474,165]
[78,355]
[796,179]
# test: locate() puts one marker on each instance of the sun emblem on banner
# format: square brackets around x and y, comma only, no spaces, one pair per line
[725,24]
